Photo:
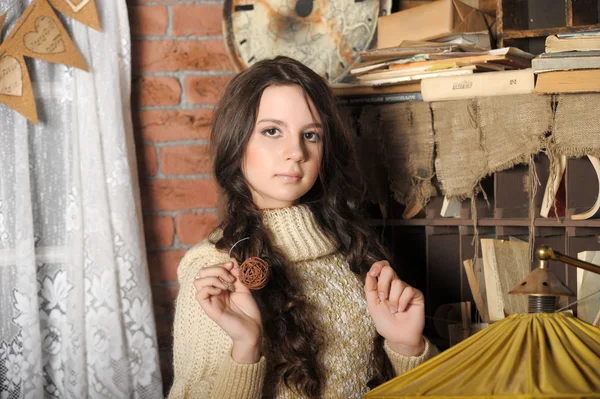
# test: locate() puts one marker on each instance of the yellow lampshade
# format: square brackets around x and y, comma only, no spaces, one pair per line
[539,355]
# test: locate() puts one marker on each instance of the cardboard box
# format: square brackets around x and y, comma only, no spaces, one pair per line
[408,4]
[437,19]
[487,6]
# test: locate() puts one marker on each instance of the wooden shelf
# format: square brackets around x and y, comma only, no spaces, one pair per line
[527,33]
[540,222]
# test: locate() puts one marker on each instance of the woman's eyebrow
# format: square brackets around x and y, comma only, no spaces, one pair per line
[314,124]
[275,121]
[284,124]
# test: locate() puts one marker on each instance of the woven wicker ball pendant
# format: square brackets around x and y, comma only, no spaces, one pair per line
[254,273]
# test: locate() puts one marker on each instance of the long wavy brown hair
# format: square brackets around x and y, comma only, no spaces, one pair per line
[335,200]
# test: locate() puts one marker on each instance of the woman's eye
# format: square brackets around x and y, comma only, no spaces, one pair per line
[271,132]
[311,136]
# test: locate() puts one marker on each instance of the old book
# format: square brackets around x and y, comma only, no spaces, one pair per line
[450,207]
[461,47]
[413,208]
[544,64]
[508,55]
[552,189]
[395,73]
[405,52]
[478,85]
[581,42]
[505,264]
[588,288]
[575,81]
[479,39]
[390,98]
[476,279]
[359,89]
[458,60]
[594,211]
[468,70]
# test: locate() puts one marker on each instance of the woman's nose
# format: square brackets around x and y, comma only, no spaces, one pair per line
[295,150]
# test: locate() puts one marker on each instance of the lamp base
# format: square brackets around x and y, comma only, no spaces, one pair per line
[541,304]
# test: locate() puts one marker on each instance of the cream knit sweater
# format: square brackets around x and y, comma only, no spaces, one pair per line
[202,351]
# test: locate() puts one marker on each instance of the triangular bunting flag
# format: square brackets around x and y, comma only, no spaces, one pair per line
[40,34]
[15,85]
[84,11]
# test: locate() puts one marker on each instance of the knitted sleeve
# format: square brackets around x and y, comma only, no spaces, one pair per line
[402,363]
[201,349]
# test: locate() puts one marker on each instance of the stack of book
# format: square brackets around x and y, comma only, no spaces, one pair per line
[570,64]
[439,71]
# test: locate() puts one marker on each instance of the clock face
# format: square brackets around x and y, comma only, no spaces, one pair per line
[325,35]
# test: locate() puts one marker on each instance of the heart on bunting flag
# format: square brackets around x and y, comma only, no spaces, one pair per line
[46,39]
[11,77]
[39,34]
[15,84]
[83,11]
[77,5]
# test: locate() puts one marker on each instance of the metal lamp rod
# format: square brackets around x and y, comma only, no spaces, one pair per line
[544,253]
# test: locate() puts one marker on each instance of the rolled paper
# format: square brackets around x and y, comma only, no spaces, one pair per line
[254,273]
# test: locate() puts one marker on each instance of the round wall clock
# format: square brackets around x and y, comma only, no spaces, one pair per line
[326,35]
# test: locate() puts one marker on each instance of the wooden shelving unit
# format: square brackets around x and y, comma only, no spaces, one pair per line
[429,250]
[525,19]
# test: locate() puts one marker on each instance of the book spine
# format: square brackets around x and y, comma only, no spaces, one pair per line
[380,99]
[542,64]
[478,85]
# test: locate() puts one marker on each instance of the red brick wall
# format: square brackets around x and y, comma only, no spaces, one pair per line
[180,67]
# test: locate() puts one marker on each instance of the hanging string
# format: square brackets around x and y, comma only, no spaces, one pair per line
[237,242]
[577,301]
[534,181]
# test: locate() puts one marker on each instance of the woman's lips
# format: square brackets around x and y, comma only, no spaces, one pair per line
[289,177]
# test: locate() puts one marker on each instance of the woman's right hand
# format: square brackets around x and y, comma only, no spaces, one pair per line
[236,312]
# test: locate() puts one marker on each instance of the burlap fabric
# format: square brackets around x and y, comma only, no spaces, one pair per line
[577,125]
[477,137]
[408,144]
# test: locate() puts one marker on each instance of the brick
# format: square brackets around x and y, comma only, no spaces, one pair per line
[159,230]
[163,299]
[197,20]
[180,55]
[156,90]
[161,126]
[148,20]
[194,227]
[147,161]
[185,160]
[163,268]
[205,89]
[179,194]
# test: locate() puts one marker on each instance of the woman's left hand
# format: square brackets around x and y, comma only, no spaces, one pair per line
[397,309]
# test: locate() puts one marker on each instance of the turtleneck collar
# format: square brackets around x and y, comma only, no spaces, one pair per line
[296,232]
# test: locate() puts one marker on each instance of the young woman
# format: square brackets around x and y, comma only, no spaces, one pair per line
[333,319]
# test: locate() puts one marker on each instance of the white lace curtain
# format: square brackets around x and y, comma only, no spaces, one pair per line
[76,315]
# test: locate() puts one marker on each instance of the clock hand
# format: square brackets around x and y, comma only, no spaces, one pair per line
[304,8]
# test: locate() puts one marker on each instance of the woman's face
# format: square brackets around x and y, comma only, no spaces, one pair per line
[284,153]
